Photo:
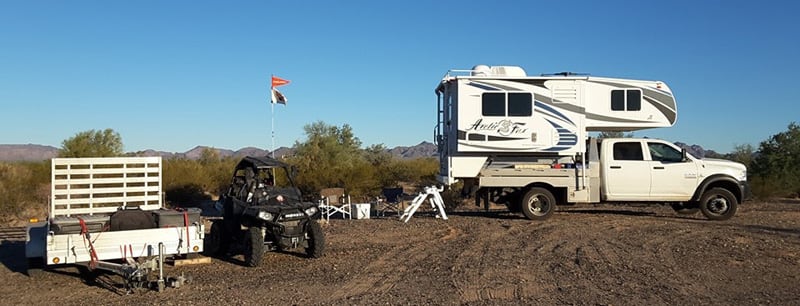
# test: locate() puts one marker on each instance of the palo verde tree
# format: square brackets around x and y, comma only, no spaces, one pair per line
[331,156]
[776,166]
[92,143]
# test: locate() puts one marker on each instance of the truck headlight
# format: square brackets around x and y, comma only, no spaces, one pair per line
[743,176]
[263,215]
[311,210]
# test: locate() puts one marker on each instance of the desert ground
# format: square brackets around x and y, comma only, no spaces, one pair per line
[589,254]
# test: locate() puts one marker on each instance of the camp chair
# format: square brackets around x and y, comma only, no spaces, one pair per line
[332,201]
[391,200]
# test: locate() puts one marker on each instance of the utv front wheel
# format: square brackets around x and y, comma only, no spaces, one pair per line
[718,204]
[538,204]
[315,239]
[217,240]
[254,246]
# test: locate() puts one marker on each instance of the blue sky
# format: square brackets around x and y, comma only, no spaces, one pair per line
[170,75]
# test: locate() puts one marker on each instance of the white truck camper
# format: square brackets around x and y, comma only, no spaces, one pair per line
[108,213]
[523,141]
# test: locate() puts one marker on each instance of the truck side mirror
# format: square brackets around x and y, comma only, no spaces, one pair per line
[684,158]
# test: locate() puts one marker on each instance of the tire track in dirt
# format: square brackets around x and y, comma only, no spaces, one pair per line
[382,274]
[474,282]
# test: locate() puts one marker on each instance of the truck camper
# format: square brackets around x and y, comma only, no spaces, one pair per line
[524,141]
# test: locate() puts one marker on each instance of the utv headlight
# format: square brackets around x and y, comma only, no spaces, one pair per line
[311,210]
[263,215]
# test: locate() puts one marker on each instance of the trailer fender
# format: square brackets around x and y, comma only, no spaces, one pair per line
[36,240]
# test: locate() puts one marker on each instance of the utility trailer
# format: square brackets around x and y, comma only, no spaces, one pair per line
[523,141]
[108,214]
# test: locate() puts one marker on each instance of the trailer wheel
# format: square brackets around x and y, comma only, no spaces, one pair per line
[253,246]
[538,204]
[315,239]
[217,242]
[718,204]
[35,267]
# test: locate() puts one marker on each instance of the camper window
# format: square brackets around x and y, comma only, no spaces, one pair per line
[627,99]
[494,104]
[520,104]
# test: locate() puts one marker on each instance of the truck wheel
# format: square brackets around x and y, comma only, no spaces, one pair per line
[217,242]
[315,239]
[718,204]
[538,204]
[685,209]
[253,246]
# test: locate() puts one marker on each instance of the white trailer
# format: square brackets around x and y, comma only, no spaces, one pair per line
[106,212]
[523,141]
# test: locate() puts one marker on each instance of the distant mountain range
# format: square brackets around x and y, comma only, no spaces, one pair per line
[32,152]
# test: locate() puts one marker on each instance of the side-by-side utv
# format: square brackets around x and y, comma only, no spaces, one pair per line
[259,215]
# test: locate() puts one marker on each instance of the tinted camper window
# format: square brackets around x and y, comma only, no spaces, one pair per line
[628,99]
[494,104]
[617,100]
[520,104]
[634,100]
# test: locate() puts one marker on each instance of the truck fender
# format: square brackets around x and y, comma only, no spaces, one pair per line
[719,179]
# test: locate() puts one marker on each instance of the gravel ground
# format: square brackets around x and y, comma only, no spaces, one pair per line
[592,254]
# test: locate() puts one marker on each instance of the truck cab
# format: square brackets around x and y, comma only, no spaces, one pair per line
[653,170]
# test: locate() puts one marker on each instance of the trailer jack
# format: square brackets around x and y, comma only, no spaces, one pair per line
[135,273]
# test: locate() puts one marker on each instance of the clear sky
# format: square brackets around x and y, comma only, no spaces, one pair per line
[170,75]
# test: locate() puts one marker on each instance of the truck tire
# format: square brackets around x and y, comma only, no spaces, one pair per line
[217,242]
[718,204]
[315,239]
[538,204]
[253,246]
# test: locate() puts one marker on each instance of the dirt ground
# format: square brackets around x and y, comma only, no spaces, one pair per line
[595,254]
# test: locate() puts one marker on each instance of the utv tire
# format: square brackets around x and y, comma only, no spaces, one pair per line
[686,209]
[254,246]
[718,204]
[315,239]
[538,204]
[217,240]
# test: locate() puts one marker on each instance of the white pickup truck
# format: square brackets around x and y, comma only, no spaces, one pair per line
[625,170]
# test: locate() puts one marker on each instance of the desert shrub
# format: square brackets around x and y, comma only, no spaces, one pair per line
[23,190]
[776,166]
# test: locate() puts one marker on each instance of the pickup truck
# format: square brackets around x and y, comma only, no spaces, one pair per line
[615,170]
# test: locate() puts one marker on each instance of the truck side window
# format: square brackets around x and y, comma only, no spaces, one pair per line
[628,151]
[663,152]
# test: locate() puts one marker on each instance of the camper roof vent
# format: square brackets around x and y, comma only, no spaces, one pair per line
[483,70]
[512,71]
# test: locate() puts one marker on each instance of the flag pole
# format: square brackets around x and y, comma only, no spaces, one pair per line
[272,112]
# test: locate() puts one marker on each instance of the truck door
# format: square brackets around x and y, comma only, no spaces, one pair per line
[673,179]
[627,173]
